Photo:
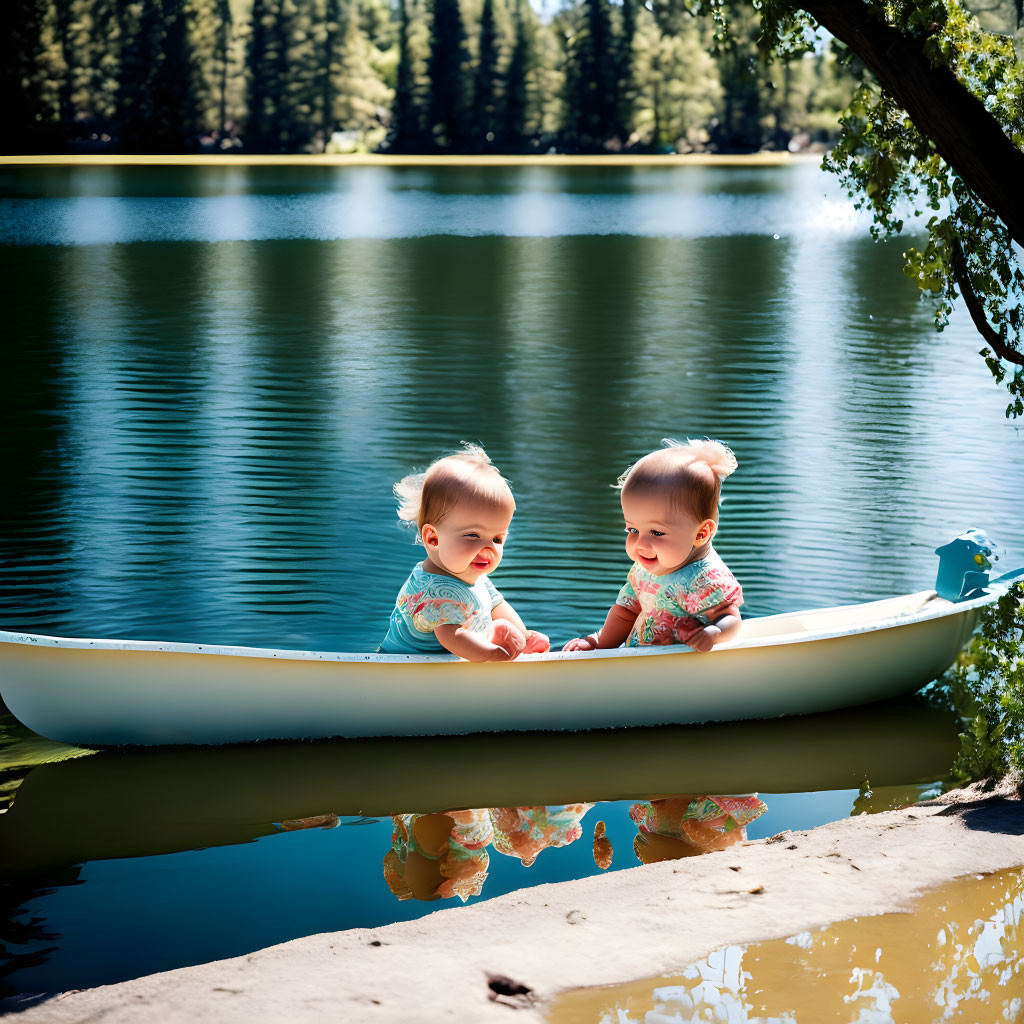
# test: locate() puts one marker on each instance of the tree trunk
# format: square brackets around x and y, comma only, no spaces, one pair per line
[965,135]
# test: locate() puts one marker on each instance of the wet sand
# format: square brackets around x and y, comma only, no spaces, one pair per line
[472,964]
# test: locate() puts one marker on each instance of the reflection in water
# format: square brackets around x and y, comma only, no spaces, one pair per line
[440,855]
[444,854]
[213,427]
[169,845]
[143,802]
[141,860]
[958,957]
[525,832]
[603,849]
[691,824]
[329,820]
[371,202]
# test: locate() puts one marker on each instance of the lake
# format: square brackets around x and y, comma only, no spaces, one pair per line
[215,375]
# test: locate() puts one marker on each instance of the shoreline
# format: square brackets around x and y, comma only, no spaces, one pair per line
[766,159]
[631,924]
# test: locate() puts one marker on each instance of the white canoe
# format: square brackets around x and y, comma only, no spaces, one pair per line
[110,692]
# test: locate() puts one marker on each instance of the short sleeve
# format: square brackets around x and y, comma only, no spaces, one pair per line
[493,593]
[432,607]
[627,596]
[712,586]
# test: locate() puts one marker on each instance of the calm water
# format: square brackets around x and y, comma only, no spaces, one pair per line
[213,377]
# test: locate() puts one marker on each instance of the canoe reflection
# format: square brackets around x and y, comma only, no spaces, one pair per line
[139,802]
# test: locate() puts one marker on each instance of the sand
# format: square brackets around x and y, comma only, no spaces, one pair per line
[612,928]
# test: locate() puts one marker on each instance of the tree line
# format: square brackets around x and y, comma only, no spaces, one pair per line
[403,76]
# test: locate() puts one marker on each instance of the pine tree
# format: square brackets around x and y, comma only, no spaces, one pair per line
[406,130]
[677,85]
[223,63]
[63,21]
[93,55]
[485,85]
[261,100]
[446,69]
[173,128]
[592,80]
[298,72]
[514,133]
[742,73]
[330,65]
[139,28]
[626,84]
[29,71]
[362,96]
[549,78]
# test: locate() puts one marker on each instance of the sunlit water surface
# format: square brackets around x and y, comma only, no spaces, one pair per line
[213,378]
[957,957]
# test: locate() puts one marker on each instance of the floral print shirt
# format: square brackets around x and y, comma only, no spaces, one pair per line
[427,601]
[671,607]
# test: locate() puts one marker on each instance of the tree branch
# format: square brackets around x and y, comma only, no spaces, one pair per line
[965,134]
[977,310]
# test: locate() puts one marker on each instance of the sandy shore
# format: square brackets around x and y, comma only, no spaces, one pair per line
[613,928]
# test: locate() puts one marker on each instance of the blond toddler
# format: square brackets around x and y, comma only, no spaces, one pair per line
[679,591]
[462,508]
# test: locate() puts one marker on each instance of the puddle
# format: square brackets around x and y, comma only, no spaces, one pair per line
[958,957]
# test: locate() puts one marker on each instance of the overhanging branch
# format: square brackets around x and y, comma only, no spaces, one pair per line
[962,130]
[977,310]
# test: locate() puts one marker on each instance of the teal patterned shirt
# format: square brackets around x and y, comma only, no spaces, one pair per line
[428,600]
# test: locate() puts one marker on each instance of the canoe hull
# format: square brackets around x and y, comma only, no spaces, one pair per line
[95,695]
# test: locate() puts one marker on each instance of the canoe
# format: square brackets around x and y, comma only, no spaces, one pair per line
[114,692]
[136,802]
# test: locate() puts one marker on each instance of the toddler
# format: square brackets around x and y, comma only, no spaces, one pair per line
[462,507]
[678,591]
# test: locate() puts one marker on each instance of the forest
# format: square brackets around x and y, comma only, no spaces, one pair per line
[406,76]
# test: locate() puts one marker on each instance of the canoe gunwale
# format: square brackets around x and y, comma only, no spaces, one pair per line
[931,607]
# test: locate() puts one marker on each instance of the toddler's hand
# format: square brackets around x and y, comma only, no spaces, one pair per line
[703,639]
[509,637]
[536,643]
[582,643]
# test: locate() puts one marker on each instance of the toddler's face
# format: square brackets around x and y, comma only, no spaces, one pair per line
[659,536]
[469,541]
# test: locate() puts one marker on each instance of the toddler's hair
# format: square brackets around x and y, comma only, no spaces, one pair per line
[468,474]
[691,473]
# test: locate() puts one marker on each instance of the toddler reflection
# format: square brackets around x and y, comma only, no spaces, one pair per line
[691,824]
[602,847]
[438,856]
[441,855]
[524,832]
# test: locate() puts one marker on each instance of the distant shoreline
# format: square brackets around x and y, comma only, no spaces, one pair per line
[385,160]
